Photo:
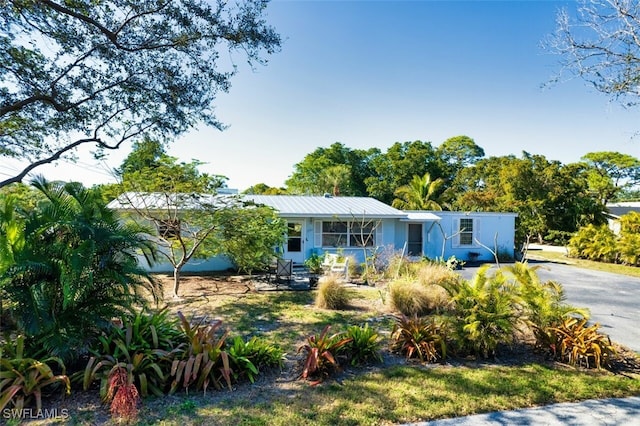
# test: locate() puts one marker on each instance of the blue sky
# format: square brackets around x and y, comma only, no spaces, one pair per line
[371,73]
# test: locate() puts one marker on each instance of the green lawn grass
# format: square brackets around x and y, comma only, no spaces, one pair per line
[552,256]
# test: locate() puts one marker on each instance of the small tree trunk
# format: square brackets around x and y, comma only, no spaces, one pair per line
[176,281]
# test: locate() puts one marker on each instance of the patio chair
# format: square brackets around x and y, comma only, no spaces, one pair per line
[284,269]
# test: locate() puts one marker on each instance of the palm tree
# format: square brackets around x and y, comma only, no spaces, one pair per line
[418,194]
[76,270]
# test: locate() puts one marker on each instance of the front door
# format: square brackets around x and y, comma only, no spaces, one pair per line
[414,242]
[295,241]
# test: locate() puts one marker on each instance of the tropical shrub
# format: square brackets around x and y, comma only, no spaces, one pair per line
[581,345]
[542,303]
[143,345]
[629,241]
[364,345]
[144,368]
[419,337]
[483,313]
[321,354]
[23,379]
[332,294]
[594,242]
[72,268]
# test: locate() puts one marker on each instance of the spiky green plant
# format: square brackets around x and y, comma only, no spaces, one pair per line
[419,337]
[364,346]
[23,379]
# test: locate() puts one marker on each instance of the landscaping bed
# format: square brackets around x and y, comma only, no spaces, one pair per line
[396,390]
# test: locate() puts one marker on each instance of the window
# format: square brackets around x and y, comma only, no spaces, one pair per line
[345,234]
[362,235]
[168,229]
[466,232]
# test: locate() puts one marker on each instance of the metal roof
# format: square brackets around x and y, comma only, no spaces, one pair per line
[624,207]
[420,216]
[162,201]
[327,206]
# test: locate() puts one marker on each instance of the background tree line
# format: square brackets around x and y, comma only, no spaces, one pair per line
[552,199]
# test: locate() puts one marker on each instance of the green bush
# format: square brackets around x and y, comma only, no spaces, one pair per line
[332,294]
[483,313]
[542,303]
[364,345]
[594,243]
[249,357]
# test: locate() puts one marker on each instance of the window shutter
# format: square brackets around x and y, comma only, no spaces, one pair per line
[317,236]
[476,232]
[455,241]
[378,241]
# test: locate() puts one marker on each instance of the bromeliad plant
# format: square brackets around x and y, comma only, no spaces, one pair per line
[321,354]
[364,346]
[143,346]
[581,345]
[22,379]
[203,360]
[419,337]
[251,356]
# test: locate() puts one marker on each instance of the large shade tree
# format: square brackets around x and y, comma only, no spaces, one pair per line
[102,73]
[600,43]
[611,173]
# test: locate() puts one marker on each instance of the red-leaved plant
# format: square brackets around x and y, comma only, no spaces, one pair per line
[321,354]
[123,394]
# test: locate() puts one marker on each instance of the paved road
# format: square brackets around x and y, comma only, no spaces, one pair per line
[614,300]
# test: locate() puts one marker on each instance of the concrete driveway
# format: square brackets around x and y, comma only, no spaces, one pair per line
[614,300]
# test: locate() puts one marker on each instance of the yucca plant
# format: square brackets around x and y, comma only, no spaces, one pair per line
[23,379]
[364,346]
[582,345]
[419,337]
[483,313]
[203,360]
[321,354]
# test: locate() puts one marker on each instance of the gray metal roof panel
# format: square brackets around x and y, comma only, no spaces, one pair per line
[323,206]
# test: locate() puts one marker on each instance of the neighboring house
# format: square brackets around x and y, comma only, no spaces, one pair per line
[615,210]
[357,225]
